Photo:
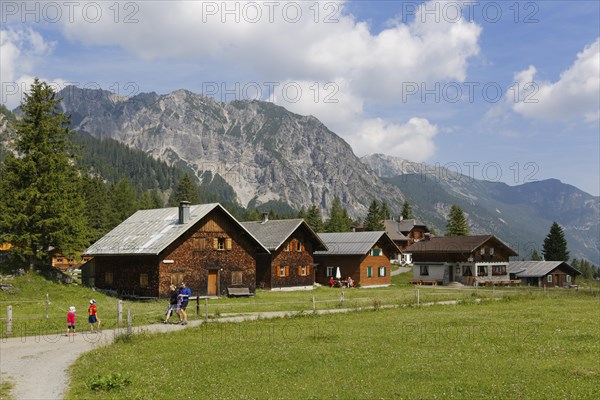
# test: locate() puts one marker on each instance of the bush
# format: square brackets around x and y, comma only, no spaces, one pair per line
[108,382]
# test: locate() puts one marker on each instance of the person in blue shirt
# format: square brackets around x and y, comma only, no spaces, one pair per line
[185,294]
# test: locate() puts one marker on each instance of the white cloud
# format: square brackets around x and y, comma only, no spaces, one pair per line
[574,95]
[21,51]
[412,141]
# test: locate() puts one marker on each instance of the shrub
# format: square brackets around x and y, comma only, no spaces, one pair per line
[108,382]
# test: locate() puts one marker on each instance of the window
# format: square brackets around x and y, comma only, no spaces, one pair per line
[467,271]
[222,244]
[287,247]
[329,271]
[108,278]
[568,278]
[369,272]
[143,281]
[491,251]
[482,251]
[482,270]
[375,252]
[499,269]
[283,270]
[177,278]
[236,277]
[381,271]
[299,247]
[303,270]
[549,279]
[424,269]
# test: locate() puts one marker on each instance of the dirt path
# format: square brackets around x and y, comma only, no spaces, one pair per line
[37,365]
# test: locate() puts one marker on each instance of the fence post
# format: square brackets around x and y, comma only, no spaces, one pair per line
[129,321]
[197,306]
[47,305]
[206,308]
[314,305]
[342,296]
[8,320]
[119,313]
[418,297]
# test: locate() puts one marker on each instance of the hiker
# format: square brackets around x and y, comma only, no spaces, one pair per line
[71,321]
[185,293]
[331,282]
[93,316]
[173,304]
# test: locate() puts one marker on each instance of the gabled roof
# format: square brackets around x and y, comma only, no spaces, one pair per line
[456,244]
[148,232]
[406,225]
[273,233]
[391,228]
[536,269]
[352,243]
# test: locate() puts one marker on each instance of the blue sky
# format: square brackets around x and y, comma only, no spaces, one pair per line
[505,91]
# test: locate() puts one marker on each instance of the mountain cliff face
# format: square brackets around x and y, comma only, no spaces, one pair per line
[520,215]
[262,150]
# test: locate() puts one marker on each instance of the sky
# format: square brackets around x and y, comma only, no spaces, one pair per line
[499,90]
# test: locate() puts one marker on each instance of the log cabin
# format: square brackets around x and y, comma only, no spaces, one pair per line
[202,245]
[364,256]
[289,265]
[543,273]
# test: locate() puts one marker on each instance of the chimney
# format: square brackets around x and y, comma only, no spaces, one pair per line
[265,217]
[184,212]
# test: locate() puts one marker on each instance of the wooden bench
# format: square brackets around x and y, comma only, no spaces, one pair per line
[239,292]
[432,282]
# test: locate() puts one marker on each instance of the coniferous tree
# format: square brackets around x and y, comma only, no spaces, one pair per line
[555,245]
[385,211]
[314,219]
[374,221]
[457,223]
[407,211]
[302,213]
[338,218]
[535,256]
[123,201]
[98,209]
[151,199]
[186,190]
[41,206]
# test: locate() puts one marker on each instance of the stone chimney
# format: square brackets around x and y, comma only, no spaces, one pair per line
[184,212]
[265,218]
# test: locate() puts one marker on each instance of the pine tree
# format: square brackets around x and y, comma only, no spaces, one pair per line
[314,219]
[151,199]
[98,209]
[338,218]
[41,205]
[123,202]
[385,211]
[186,190]
[407,211]
[302,213]
[535,256]
[555,245]
[374,220]
[457,223]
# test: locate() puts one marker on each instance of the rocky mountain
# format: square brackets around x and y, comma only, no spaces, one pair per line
[262,150]
[520,215]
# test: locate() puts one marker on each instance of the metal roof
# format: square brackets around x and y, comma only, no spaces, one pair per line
[148,232]
[351,243]
[273,233]
[406,225]
[533,269]
[393,230]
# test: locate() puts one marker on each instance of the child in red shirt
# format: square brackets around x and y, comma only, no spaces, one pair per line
[71,321]
[93,316]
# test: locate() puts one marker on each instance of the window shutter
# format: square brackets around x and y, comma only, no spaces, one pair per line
[308,270]
[215,243]
[287,270]
[228,244]
[299,270]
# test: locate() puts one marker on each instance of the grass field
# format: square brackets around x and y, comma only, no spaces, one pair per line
[28,302]
[534,348]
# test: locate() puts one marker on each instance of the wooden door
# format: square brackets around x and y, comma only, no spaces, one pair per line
[212,282]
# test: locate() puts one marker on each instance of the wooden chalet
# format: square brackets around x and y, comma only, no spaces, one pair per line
[202,245]
[543,273]
[289,264]
[470,260]
[404,233]
[364,256]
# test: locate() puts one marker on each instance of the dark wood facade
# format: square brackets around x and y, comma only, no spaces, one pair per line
[292,265]
[214,254]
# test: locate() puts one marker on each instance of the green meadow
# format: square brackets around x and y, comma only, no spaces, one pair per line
[534,348]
